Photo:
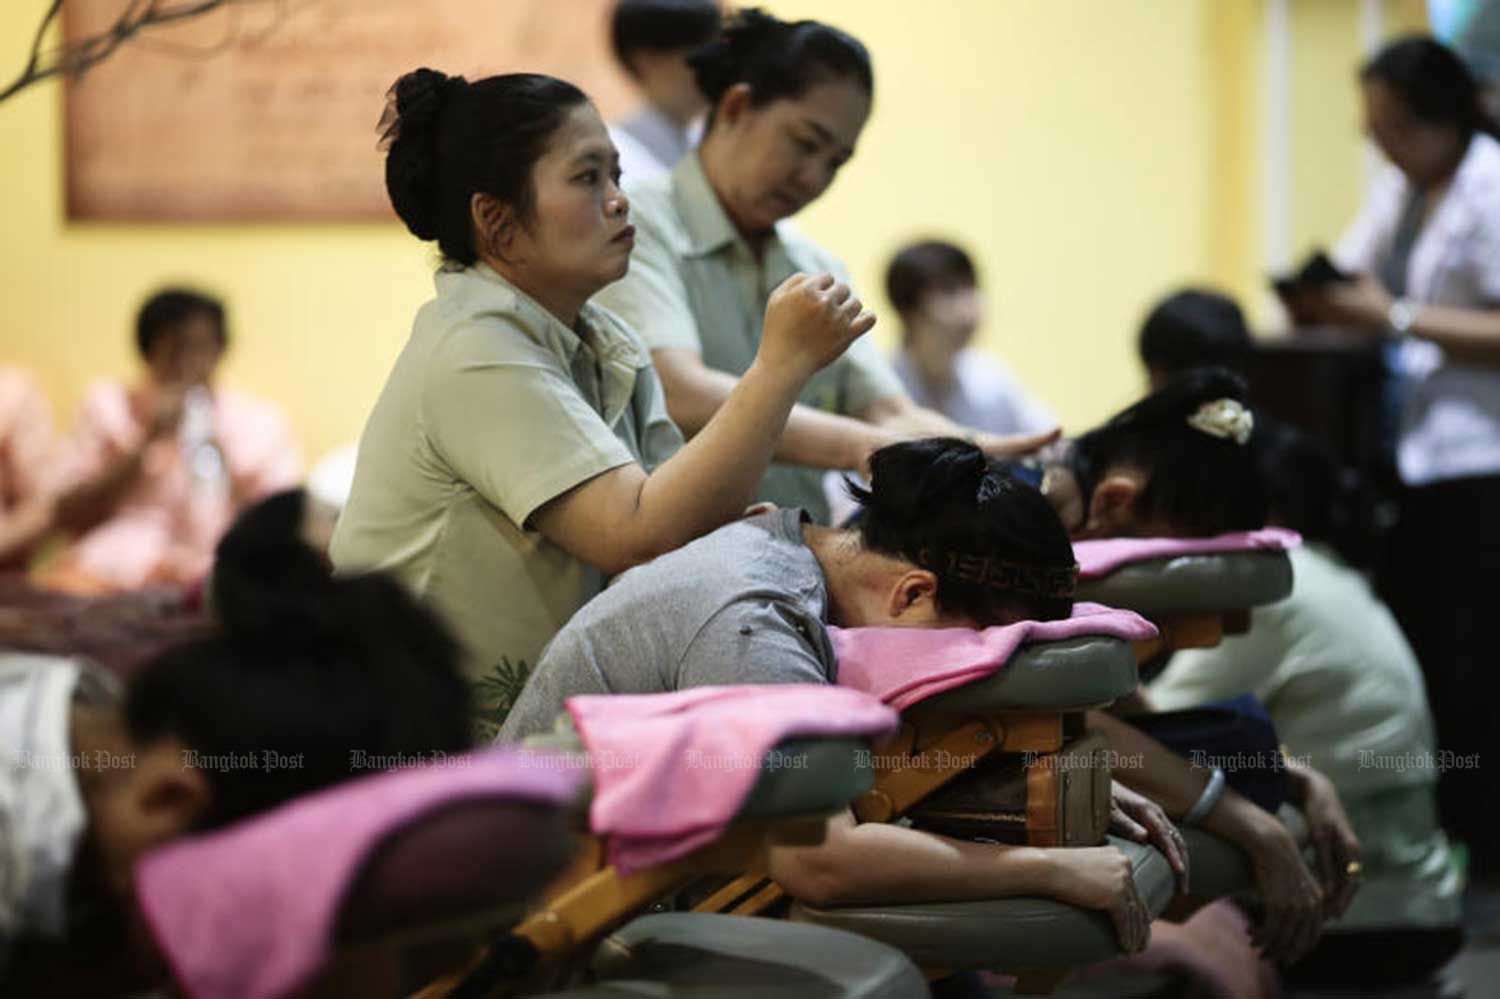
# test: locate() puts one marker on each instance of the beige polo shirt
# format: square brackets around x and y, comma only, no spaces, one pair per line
[493,408]
[694,283]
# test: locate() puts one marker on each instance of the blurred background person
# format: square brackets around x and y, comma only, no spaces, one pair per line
[651,40]
[1192,328]
[935,289]
[27,454]
[157,468]
[1425,252]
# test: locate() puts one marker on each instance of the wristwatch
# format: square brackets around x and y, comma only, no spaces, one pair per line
[1402,314]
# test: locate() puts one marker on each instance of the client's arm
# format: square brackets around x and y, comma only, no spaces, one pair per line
[1293,901]
[879,863]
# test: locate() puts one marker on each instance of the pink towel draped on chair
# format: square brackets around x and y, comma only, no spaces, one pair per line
[249,911]
[672,770]
[902,666]
[1100,558]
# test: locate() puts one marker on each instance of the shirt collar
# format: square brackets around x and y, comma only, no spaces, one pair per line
[486,291]
[708,225]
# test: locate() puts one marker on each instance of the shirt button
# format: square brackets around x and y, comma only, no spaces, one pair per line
[744,629]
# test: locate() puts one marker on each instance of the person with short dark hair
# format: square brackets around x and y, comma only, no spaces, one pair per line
[520,452]
[1193,328]
[155,471]
[935,290]
[302,678]
[651,41]
[789,100]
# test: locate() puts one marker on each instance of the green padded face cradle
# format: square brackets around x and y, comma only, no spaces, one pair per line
[741,957]
[1071,675]
[1005,933]
[800,777]
[1194,584]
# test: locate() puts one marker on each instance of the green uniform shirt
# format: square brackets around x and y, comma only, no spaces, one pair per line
[695,284]
[493,408]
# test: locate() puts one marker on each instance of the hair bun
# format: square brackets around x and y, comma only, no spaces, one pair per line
[720,64]
[908,483]
[409,130]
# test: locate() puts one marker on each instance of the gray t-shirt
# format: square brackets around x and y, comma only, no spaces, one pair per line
[745,604]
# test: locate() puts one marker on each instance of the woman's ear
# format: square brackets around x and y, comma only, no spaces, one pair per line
[913,598]
[494,224]
[1112,507]
[733,104]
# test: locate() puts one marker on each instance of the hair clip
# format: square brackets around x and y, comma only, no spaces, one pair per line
[1225,418]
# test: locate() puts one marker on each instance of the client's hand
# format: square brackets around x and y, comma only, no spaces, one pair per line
[1339,856]
[1137,817]
[1293,916]
[1100,877]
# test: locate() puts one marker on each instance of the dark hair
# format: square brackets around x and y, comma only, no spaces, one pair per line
[1433,82]
[920,267]
[304,666]
[1309,490]
[1194,328]
[995,543]
[778,59]
[448,139]
[661,26]
[1199,483]
[164,311]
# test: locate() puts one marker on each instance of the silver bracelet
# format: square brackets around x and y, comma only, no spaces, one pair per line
[1212,792]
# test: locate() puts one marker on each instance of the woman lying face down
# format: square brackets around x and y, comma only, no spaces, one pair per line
[947,540]
[1176,464]
[301,672]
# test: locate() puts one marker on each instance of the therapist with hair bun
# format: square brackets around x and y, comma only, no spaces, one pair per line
[788,101]
[520,452]
[1426,252]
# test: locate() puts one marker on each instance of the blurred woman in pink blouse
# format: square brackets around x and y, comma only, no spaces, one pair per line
[28,460]
[156,470]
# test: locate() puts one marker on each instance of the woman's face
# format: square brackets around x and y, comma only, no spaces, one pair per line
[579,237]
[1425,152]
[947,317]
[783,155]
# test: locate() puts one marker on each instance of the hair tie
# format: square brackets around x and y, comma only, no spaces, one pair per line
[1225,418]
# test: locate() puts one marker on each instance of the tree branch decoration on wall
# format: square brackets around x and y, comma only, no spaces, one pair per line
[74,58]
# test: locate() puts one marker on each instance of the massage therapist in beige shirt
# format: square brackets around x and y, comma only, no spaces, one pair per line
[787,104]
[521,452]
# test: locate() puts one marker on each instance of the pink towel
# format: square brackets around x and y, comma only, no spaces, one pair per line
[249,912]
[672,770]
[902,666]
[1100,558]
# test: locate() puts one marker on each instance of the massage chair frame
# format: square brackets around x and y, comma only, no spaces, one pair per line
[591,897]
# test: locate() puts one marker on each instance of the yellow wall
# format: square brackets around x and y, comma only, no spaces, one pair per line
[1092,153]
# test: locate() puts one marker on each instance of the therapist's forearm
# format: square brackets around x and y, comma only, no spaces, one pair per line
[713,478]
[695,392]
[1470,336]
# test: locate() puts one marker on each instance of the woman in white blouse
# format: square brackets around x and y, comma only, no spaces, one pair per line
[1426,252]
